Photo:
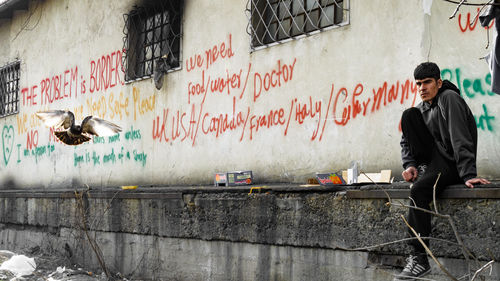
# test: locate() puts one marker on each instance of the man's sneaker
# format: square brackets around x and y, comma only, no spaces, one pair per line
[416,266]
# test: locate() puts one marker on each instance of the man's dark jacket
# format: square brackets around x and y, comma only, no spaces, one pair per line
[453,127]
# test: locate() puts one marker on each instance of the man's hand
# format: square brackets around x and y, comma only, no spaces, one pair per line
[410,174]
[470,183]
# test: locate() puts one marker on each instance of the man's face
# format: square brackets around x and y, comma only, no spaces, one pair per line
[428,88]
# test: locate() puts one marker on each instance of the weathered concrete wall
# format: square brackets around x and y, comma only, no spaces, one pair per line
[360,69]
[192,234]
[159,258]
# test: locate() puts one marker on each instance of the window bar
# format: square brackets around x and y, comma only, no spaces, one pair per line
[9,89]
[275,21]
[155,37]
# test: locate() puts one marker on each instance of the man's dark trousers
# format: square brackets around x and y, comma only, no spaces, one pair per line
[423,149]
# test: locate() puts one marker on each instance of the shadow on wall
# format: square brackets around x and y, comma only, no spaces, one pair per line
[76,183]
[8,183]
[73,183]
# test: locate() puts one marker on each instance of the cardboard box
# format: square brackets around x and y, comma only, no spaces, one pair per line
[329,179]
[383,177]
[235,178]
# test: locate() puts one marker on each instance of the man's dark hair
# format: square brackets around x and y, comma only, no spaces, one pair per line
[427,70]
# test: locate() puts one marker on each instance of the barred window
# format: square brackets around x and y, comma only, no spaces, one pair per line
[273,21]
[152,38]
[9,89]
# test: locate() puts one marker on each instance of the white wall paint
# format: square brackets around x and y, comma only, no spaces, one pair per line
[383,43]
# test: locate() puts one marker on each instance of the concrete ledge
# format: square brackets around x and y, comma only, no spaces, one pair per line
[462,193]
[399,190]
[321,220]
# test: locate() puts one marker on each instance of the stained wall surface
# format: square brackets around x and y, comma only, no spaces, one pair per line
[313,104]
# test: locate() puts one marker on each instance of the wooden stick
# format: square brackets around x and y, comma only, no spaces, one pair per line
[458,8]
[434,193]
[429,251]
[394,242]
[92,242]
[481,269]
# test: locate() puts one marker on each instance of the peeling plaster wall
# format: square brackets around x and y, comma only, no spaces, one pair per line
[168,135]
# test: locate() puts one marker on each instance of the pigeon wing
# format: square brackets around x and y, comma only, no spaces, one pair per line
[57,118]
[99,127]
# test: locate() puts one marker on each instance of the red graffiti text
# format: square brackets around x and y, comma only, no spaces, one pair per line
[106,72]
[222,51]
[272,79]
[468,25]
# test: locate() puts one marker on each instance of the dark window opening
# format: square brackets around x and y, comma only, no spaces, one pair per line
[9,89]
[152,38]
[277,20]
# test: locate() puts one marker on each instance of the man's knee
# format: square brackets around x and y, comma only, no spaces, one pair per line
[411,113]
[420,194]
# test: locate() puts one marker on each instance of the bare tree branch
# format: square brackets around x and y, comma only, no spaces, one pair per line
[434,193]
[488,264]
[92,241]
[411,199]
[428,250]
[394,242]
[458,8]
[472,4]
[471,24]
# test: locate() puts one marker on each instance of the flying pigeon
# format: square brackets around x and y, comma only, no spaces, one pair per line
[76,134]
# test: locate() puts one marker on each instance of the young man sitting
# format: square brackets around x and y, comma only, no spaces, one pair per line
[439,137]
